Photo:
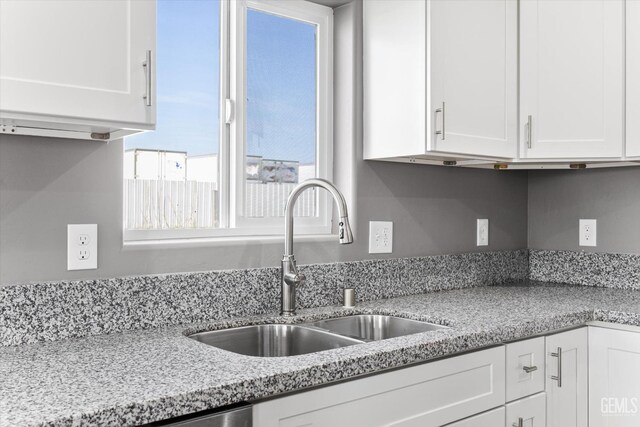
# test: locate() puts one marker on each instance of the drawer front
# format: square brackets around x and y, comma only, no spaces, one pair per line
[428,395]
[525,368]
[528,412]
[494,418]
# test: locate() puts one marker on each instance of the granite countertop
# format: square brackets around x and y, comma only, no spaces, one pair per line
[142,376]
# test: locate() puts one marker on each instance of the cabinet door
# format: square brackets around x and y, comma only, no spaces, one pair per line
[77,59]
[428,395]
[566,379]
[474,77]
[525,368]
[633,78]
[614,378]
[394,78]
[571,78]
[527,412]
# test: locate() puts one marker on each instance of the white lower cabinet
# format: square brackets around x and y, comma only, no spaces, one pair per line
[527,412]
[588,376]
[432,394]
[614,377]
[566,378]
[493,418]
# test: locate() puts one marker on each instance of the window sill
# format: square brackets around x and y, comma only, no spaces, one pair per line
[221,241]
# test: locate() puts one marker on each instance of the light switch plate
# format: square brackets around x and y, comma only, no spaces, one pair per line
[82,246]
[482,232]
[588,232]
[380,237]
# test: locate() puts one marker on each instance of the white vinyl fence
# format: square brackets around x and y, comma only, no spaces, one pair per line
[265,200]
[158,204]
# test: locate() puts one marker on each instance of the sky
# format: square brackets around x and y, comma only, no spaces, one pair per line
[281,94]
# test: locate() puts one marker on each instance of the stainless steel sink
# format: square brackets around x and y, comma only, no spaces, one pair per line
[374,327]
[273,340]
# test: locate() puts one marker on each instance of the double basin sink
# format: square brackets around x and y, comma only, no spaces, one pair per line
[276,340]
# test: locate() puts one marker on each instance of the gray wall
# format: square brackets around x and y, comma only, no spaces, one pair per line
[558,199]
[46,184]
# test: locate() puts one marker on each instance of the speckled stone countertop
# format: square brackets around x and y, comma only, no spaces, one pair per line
[137,377]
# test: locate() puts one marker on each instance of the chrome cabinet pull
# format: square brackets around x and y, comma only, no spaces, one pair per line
[147,75]
[558,377]
[529,369]
[527,131]
[441,110]
[520,423]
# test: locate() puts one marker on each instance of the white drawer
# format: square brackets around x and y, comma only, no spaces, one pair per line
[530,412]
[493,418]
[428,395]
[525,368]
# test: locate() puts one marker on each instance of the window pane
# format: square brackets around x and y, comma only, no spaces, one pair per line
[281,113]
[171,175]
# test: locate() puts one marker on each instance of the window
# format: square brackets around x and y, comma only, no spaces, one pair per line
[243,115]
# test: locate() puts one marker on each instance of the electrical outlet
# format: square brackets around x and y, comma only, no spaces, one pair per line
[380,237]
[482,232]
[82,246]
[588,232]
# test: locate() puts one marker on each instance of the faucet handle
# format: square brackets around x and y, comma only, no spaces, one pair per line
[300,278]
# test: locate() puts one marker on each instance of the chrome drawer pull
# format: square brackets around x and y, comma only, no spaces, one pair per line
[441,110]
[520,423]
[529,369]
[558,377]
[149,79]
[527,127]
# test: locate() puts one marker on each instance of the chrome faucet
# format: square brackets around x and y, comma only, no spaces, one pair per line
[290,277]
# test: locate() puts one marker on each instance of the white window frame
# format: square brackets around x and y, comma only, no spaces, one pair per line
[233,135]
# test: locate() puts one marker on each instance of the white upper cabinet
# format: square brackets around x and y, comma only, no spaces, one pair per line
[529,82]
[572,79]
[633,78]
[395,78]
[474,77]
[440,78]
[76,67]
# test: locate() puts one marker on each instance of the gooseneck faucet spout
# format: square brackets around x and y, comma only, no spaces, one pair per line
[290,276]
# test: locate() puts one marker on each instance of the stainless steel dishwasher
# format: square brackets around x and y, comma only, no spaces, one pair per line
[229,416]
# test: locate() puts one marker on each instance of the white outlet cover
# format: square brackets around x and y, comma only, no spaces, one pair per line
[82,246]
[380,237]
[588,232]
[482,232]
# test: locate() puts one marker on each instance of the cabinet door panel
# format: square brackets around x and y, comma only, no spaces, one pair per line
[428,395]
[78,59]
[394,78]
[567,403]
[474,73]
[521,355]
[614,378]
[571,78]
[633,78]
